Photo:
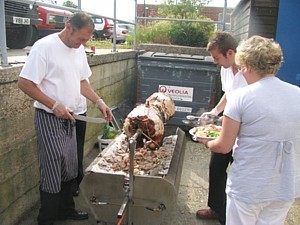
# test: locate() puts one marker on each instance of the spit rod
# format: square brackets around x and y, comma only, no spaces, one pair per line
[132,147]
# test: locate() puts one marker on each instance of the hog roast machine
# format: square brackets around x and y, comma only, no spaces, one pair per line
[122,185]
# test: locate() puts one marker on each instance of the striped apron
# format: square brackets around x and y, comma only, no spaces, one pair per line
[56,150]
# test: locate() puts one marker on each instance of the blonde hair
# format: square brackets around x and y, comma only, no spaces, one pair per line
[263,55]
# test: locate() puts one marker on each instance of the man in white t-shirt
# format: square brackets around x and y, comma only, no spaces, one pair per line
[222,47]
[55,76]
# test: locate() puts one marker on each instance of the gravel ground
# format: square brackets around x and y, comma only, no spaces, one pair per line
[192,194]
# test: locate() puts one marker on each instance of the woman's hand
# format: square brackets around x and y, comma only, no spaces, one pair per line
[204,141]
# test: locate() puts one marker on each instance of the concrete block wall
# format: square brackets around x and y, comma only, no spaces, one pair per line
[176,49]
[19,174]
[114,79]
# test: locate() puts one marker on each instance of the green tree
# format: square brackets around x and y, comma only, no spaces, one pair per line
[182,9]
[70,4]
[190,34]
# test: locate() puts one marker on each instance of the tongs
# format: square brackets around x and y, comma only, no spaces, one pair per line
[193,122]
[190,119]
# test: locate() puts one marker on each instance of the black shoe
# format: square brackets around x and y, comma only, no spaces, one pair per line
[77,215]
[75,193]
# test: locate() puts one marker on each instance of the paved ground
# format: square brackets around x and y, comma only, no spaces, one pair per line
[193,187]
[192,194]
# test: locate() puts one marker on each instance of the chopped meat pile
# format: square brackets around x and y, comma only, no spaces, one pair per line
[116,158]
[144,160]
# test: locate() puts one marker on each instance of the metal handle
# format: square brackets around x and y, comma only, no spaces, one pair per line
[123,206]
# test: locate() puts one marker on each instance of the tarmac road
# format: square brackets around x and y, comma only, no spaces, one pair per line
[191,197]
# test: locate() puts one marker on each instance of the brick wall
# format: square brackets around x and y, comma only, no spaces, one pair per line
[210,12]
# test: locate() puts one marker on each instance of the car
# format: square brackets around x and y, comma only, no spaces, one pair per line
[103,28]
[53,20]
[122,31]
[129,27]
[20,21]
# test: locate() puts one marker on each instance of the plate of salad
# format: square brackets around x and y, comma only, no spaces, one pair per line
[209,131]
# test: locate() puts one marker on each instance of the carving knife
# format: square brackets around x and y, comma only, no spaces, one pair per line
[89,119]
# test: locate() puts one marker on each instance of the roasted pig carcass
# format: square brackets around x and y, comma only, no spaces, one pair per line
[148,119]
[164,103]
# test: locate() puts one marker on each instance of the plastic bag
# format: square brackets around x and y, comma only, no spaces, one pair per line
[110,132]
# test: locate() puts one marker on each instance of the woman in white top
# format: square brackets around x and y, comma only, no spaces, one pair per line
[261,124]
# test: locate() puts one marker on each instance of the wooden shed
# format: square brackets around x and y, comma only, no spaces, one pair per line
[255,17]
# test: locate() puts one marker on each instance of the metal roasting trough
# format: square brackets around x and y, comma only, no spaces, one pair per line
[134,199]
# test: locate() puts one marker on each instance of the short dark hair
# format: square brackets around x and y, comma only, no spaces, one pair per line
[223,41]
[81,19]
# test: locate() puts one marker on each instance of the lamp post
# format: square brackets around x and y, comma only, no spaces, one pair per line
[79,5]
[224,15]
[144,8]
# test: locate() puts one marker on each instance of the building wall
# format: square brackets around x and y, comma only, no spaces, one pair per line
[19,175]
[213,13]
